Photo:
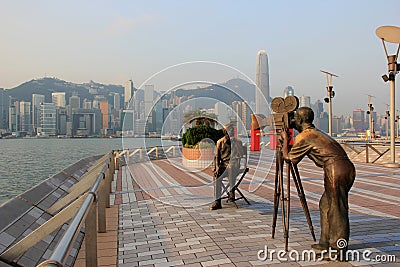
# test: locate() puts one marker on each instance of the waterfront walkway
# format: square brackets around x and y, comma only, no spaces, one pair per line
[160,217]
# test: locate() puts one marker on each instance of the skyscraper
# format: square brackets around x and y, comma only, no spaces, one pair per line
[58,99]
[117,101]
[128,93]
[262,82]
[104,113]
[47,119]
[25,116]
[221,110]
[75,101]
[4,104]
[148,99]
[305,101]
[359,120]
[289,90]
[37,100]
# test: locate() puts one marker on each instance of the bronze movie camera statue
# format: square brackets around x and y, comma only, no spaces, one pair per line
[282,120]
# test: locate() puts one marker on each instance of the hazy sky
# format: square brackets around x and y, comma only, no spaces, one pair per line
[113,41]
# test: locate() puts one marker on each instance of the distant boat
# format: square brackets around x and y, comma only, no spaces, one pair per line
[42,135]
[175,138]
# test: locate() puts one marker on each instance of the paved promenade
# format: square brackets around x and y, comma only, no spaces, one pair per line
[164,217]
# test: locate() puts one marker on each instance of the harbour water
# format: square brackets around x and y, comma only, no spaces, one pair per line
[26,162]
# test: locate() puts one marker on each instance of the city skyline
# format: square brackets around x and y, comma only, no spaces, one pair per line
[126,40]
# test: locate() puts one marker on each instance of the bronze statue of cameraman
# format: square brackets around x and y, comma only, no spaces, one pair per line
[339,175]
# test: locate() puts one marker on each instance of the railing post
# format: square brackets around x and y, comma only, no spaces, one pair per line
[128,153]
[140,154]
[156,152]
[116,165]
[107,185]
[91,237]
[101,207]
[173,151]
[366,154]
[113,162]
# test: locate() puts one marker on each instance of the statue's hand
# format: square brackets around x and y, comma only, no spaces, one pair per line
[216,171]
[284,137]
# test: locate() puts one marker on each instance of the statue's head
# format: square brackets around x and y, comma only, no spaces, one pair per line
[304,116]
[228,130]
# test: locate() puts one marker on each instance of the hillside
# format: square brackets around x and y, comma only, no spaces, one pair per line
[46,86]
[232,90]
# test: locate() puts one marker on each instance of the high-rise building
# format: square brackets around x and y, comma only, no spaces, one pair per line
[359,120]
[117,101]
[243,116]
[25,116]
[128,92]
[4,104]
[48,122]
[318,108]
[221,110]
[13,118]
[61,121]
[305,101]
[104,113]
[58,99]
[75,101]
[148,102]
[37,100]
[262,82]
[87,104]
[337,124]
[289,90]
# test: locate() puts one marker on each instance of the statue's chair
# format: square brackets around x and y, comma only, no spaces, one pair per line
[243,169]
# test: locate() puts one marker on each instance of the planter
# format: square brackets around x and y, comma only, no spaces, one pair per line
[198,158]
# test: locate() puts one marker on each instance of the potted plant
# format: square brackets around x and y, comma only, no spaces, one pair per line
[198,146]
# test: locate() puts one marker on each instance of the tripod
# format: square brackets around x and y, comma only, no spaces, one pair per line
[285,201]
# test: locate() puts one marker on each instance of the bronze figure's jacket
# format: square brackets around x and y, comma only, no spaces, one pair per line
[319,147]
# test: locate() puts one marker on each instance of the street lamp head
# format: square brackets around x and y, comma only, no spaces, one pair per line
[389,34]
[385,78]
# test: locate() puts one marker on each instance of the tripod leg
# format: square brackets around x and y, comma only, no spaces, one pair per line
[302,196]
[286,226]
[278,163]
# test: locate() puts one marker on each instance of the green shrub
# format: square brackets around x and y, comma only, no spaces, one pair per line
[194,135]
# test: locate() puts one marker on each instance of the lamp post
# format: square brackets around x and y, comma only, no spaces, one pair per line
[328,99]
[391,34]
[397,123]
[370,112]
[387,115]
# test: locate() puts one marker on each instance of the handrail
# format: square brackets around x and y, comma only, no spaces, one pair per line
[169,149]
[62,249]
[134,152]
[84,203]
[151,150]
[60,253]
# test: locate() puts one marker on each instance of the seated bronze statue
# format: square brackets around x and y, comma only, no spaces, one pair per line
[227,164]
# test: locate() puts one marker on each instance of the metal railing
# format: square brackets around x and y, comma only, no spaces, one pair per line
[370,149]
[86,204]
[142,154]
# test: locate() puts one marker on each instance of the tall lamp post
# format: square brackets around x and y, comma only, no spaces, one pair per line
[370,113]
[387,115]
[328,99]
[391,34]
